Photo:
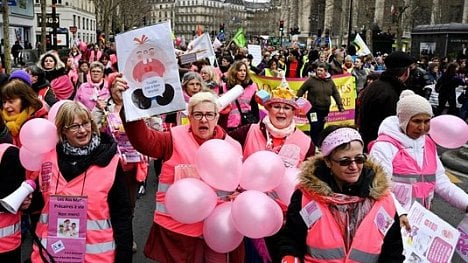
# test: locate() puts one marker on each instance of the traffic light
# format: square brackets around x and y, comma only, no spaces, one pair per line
[221,28]
[281,27]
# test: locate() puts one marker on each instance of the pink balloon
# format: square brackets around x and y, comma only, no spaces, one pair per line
[256,215]
[219,164]
[30,161]
[287,185]
[54,109]
[262,171]
[219,231]
[38,135]
[449,131]
[190,200]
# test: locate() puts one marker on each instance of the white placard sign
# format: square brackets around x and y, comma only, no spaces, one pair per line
[256,52]
[148,63]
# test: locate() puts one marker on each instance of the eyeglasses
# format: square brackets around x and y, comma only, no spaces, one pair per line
[284,108]
[96,71]
[76,127]
[208,115]
[347,161]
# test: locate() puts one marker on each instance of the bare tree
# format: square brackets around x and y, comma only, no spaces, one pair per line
[43,27]
[6,33]
[126,14]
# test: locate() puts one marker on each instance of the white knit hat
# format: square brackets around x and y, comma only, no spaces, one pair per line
[410,105]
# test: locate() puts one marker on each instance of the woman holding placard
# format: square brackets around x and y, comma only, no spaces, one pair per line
[170,239]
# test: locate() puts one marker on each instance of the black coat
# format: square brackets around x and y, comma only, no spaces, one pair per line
[378,102]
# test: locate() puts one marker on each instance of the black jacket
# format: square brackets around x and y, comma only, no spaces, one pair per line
[378,102]
[12,173]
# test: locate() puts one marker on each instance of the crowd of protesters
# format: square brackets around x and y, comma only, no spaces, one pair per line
[88,76]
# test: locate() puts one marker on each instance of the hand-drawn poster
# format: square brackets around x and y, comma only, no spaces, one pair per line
[147,60]
[431,239]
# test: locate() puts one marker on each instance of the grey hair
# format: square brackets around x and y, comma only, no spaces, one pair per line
[190,76]
[96,64]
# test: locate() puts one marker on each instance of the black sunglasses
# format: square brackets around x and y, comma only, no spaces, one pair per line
[347,161]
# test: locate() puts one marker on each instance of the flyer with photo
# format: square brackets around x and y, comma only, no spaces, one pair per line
[148,63]
[66,235]
[462,245]
[431,239]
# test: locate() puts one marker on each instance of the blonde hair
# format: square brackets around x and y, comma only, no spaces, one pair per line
[213,75]
[66,116]
[203,96]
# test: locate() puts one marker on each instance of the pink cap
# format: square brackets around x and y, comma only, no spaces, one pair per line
[339,137]
[31,183]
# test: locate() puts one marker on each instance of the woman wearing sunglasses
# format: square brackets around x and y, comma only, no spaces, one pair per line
[410,156]
[342,209]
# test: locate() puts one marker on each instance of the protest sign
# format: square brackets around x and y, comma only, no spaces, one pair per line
[431,239]
[148,63]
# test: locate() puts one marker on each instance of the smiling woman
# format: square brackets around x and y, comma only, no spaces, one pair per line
[19,104]
[277,133]
[85,167]
[343,195]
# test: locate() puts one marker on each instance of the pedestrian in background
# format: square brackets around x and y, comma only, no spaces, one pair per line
[319,87]
[381,96]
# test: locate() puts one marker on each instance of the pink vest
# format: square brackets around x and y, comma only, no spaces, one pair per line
[407,171]
[325,242]
[100,244]
[234,118]
[10,226]
[256,141]
[183,154]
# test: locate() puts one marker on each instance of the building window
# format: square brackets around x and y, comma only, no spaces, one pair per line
[79,27]
[84,24]
[74,19]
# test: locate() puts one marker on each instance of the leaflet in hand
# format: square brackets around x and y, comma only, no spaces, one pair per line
[431,239]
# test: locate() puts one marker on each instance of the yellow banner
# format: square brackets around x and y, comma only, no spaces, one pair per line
[346,87]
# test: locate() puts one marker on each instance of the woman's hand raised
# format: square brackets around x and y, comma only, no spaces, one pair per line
[118,86]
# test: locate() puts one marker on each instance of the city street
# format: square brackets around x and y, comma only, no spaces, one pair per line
[145,206]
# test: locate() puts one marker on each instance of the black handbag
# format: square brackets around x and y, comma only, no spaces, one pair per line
[246,117]
[463,97]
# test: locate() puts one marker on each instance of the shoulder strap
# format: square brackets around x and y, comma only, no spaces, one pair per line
[238,106]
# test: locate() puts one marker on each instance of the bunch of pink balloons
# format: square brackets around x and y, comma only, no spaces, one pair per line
[449,131]
[190,200]
[262,171]
[38,137]
[219,164]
